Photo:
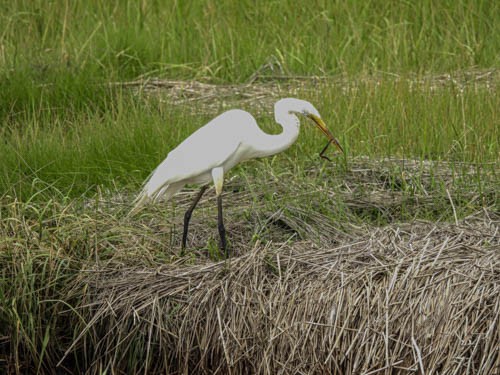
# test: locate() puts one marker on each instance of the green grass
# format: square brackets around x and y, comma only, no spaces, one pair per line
[63,126]
[54,55]
[229,40]
[74,149]
[119,147]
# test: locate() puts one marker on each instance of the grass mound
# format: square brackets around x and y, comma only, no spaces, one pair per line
[408,297]
[352,267]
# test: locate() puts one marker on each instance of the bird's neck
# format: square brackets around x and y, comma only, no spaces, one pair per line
[270,144]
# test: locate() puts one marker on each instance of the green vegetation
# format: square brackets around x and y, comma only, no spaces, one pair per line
[229,41]
[63,125]
[409,88]
[120,146]
[54,55]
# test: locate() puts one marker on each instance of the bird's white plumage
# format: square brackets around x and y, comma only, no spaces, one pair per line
[228,139]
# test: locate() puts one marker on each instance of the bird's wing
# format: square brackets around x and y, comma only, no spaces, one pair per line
[207,148]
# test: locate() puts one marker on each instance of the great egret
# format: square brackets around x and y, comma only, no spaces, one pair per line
[215,148]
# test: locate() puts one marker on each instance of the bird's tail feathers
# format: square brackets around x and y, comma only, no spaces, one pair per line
[139,202]
[163,193]
[144,196]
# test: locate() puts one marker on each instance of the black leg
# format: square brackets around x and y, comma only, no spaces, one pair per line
[187,215]
[222,230]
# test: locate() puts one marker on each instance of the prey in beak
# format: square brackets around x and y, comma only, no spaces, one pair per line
[331,139]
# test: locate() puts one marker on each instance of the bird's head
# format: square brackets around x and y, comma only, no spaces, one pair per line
[304,108]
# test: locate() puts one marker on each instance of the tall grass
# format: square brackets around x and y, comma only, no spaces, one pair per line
[61,124]
[52,54]
[67,133]
[51,255]
[228,40]
[121,145]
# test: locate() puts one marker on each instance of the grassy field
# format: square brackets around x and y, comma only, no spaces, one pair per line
[93,95]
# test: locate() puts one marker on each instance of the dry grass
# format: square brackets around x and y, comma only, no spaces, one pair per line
[265,87]
[335,270]
[404,298]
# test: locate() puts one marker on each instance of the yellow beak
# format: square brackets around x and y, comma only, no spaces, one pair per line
[321,125]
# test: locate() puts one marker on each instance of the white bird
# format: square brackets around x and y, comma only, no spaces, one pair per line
[211,151]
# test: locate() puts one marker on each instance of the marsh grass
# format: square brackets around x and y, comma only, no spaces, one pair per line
[230,41]
[404,298]
[50,246]
[52,55]
[66,125]
[61,262]
[120,146]
[69,186]
[94,94]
